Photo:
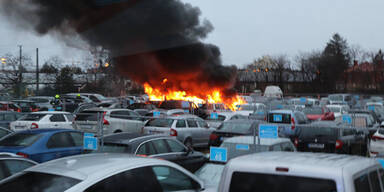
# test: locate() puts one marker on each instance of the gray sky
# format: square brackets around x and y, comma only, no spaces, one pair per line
[248,29]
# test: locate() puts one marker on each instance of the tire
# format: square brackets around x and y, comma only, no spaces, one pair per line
[188,143]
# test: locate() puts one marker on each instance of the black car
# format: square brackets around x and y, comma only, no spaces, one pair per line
[331,138]
[233,128]
[157,146]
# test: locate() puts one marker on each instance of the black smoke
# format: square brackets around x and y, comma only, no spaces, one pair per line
[149,39]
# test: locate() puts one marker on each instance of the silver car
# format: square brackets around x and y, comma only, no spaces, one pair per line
[104,172]
[113,121]
[189,129]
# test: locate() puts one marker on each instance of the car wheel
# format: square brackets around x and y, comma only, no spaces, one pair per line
[188,143]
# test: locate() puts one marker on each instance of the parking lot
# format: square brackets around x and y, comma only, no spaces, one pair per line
[204,144]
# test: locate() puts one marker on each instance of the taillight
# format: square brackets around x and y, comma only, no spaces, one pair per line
[34,126]
[213,137]
[374,152]
[142,155]
[105,122]
[173,132]
[292,123]
[339,144]
[296,142]
[22,154]
[19,110]
[374,138]
[265,118]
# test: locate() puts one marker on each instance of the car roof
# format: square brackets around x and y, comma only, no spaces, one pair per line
[102,164]
[126,138]
[250,139]
[50,112]
[305,162]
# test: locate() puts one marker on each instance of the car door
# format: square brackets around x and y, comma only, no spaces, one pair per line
[136,121]
[59,145]
[193,130]
[205,131]
[57,121]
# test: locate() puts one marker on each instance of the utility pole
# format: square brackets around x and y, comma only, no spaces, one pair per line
[20,72]
[37,71]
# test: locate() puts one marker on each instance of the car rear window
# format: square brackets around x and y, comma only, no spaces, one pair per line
[160,123]
[250,182]
[239,149]
[20,139]
[235,126]
[33,181]
[32,117]
[313,111]
[318,132]
[113,148]
[279,118]
[87,116]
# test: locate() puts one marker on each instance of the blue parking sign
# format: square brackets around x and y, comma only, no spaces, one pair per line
[218,154]
[156,113]
[214,116]
[303,100]
[268,131]
[381,161]
[371,108]
[277,118]
[90,143]
[242,147]
[347,119]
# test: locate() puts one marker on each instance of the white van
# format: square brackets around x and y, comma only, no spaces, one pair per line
[302,172]
[273,91]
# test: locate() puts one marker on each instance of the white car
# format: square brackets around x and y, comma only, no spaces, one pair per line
[44,119]
[103,172]
[376,146]
[113,121]
[338,110]
[247,109]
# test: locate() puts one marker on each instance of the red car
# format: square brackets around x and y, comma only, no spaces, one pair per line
[9,106]
[319,113]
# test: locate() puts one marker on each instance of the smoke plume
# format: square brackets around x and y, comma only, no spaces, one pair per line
[149,40]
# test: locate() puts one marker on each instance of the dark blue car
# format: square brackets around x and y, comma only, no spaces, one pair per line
[43,145]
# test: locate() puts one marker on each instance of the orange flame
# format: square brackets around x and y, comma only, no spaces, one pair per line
[212,96]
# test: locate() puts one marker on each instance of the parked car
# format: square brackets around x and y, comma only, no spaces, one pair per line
[376,146]
[341,99]
[338,110]
[113,121]
[273,92]
[110,105]
[26,105]
[94,97]
[10,165]
[43,102]
[146,106]
[205,110]
[365,121]
[107,172]
[233,128]
[363,111]
[43,119]
[248,109]
[9,106]
[211,172]
[187,106]
[83,106]
[6,117]
[301,172]
[188,129]
[4,132]
[223,117]
[287,120]
[156,146]
[318,113]
[42,145]
[331,137]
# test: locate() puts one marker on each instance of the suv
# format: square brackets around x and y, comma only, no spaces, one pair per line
[287,120]
[301,172]
[113,121]
[189,129]
[331,138]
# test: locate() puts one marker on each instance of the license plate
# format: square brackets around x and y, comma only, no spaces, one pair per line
[316,145]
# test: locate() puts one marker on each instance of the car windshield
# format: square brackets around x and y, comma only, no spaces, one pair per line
[318,132]
[248,182]
[210,173]
[313,111]
[239,149]
[335,109]
[159,122]
[36,181]
[87,116]
[20,139]
[32,117]
[237,126]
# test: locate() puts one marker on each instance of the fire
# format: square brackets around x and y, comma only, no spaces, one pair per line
[212,96]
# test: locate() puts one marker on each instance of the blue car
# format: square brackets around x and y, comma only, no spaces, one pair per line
[43,145]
